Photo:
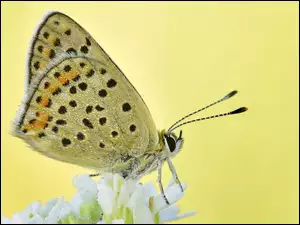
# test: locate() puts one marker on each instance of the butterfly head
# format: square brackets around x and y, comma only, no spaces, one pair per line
[172,143]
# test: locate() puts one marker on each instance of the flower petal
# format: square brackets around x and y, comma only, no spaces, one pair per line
[37,219]
[142,215]
[106,198]
[149,190]
[54,214]
[110,200]
[136,198]
[131,186]
[176,186]
[20,218]
[188,214]
[173,194]
[44,211]
[117,182]
[169,213]
[107,179]
[86,187]
[66,209]
[5,220]
[123,196]
[35,207]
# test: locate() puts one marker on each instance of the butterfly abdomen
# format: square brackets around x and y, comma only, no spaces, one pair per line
[134,167]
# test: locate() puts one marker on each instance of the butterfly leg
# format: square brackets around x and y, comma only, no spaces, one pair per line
[160,183]
[174,174]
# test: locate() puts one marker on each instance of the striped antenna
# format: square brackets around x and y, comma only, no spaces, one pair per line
[237,111]
[199,110]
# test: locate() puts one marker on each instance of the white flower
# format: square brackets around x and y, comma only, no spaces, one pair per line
[110,200]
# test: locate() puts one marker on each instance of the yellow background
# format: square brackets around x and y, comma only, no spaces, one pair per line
[181,56]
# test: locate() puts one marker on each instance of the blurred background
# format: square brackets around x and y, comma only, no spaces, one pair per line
[181,56]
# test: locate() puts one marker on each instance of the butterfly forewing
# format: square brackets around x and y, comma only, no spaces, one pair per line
[59,34]
[78,106]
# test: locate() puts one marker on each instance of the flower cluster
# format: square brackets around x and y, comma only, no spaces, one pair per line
[109,200]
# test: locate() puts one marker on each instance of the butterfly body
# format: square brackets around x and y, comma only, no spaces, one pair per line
[134,167]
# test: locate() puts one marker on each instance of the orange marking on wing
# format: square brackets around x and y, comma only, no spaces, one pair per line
[53,88]
[63,79]
[44,101]
[28,126]
[46,51]
[71,74]
[39,124]
[43,116]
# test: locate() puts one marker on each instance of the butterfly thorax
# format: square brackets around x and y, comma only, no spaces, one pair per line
[134,167]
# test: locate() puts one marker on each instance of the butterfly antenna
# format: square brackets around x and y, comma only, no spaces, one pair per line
[237,111]
[193,113]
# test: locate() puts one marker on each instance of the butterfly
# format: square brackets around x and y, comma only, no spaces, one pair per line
[80,108]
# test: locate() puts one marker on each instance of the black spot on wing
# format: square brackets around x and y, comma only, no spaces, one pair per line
[84,49]
[66,142]
[87,123]
[88,42]
[68,32]
[126,107]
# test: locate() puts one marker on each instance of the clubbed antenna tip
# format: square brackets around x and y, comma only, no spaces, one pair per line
[239,110]
[230,94]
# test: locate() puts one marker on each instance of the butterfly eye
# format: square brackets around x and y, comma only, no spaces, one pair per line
[171,143]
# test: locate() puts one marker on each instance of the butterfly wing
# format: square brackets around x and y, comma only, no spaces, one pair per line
[57,35]
[79,107]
